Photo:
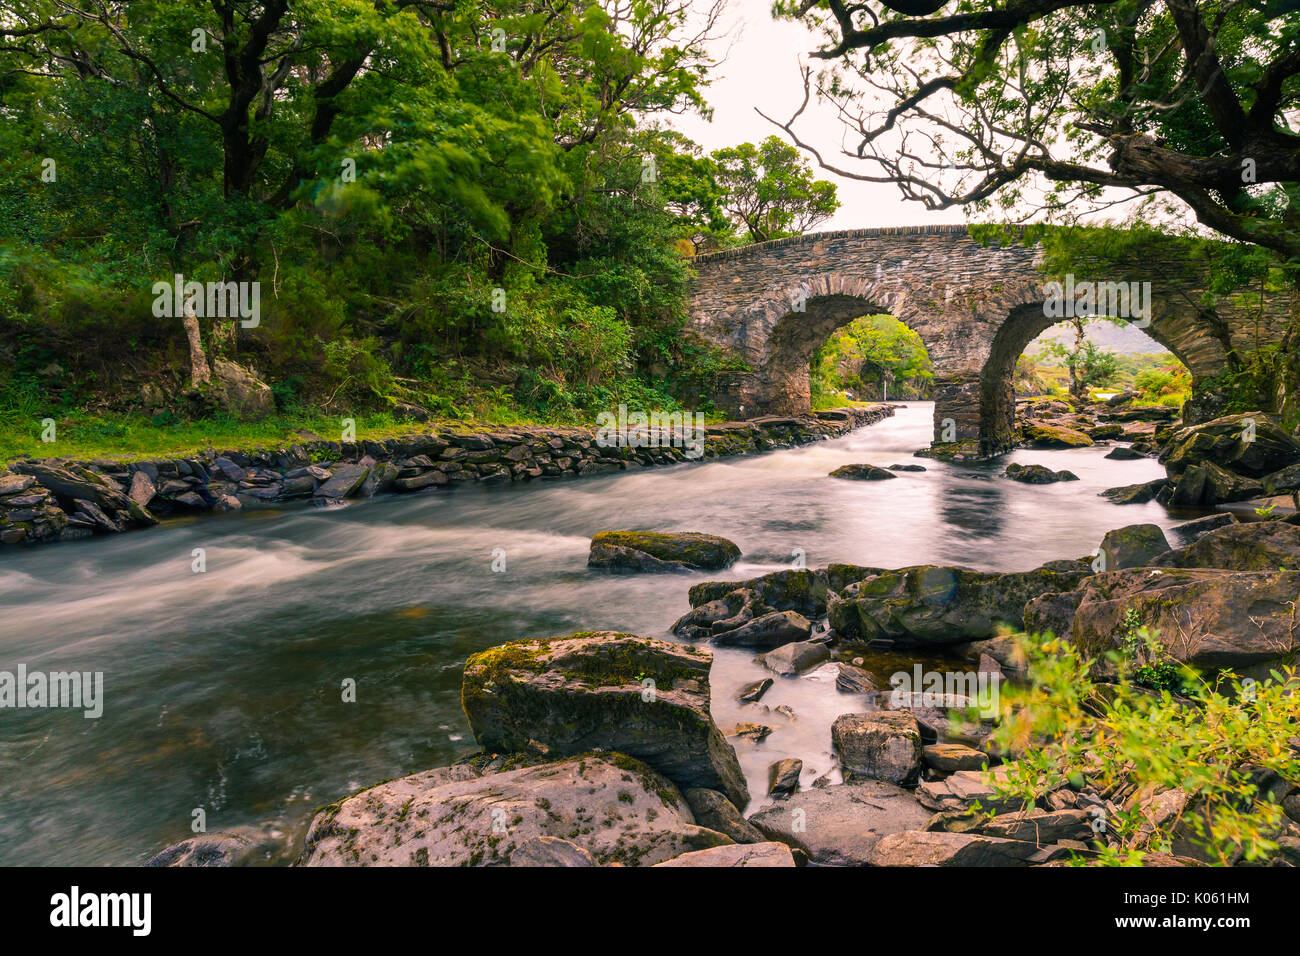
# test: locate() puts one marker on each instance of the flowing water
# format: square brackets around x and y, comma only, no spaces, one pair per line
[223,688]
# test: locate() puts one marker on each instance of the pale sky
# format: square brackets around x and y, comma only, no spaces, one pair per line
[762,70]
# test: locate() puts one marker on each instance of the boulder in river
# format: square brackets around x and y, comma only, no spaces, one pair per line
[661,551]
[934,605]
[783,777]
[801,590]
[1133,546]
[1039,434]
[713,810]
[769,631]
[838,825]
[863,472]
[752,693]
[1253,444]
[1037,474]
[1189,531]
[601,689]
[612,807]
[1204,484]
[1257,546]
[1124,453]
[1138,494]
[790,660]
[882,745]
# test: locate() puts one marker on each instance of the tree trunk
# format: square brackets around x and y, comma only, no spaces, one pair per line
[200,374]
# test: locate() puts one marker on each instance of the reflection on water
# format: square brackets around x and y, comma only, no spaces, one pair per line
[223,688]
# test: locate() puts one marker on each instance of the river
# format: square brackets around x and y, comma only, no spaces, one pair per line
[223,688]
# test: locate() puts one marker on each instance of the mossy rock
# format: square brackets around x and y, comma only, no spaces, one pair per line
[797,589]
[862,472]
[1044,435]
[933,605]
[1037,474]
[1253,444]
[611,806]
[603,690]
[632,551]
[1132,546]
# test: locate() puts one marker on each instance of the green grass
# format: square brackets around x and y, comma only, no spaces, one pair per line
[132,437]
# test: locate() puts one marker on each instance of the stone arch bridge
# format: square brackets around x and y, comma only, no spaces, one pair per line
[975,307]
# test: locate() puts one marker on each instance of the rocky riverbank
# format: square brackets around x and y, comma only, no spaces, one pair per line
[601,749]
[59,499]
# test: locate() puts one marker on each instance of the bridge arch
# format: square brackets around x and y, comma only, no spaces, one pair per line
[975,306]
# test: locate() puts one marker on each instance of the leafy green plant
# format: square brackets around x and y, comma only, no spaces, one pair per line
[1143,656]
[1208,755]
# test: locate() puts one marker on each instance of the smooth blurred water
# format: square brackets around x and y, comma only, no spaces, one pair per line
[223,688]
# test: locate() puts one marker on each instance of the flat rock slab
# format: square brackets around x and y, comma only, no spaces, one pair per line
[603,690]
[613,808]
[937,848]
[344,482]
[953,757]
[838,825]
[750,854]
[958,791]
[1040,827]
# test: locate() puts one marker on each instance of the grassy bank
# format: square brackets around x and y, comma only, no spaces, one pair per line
[132,437]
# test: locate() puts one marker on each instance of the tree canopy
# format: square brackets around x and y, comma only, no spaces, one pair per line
[1038,107]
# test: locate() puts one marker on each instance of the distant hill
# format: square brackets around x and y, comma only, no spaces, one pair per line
[1124,339]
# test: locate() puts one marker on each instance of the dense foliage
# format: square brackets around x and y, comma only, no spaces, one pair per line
[1177,114]
[468,205]
[1193,774]
[871,358]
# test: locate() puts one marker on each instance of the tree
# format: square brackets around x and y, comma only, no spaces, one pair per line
[770,190]
[1059,108]
[1088,365]
[383,166]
